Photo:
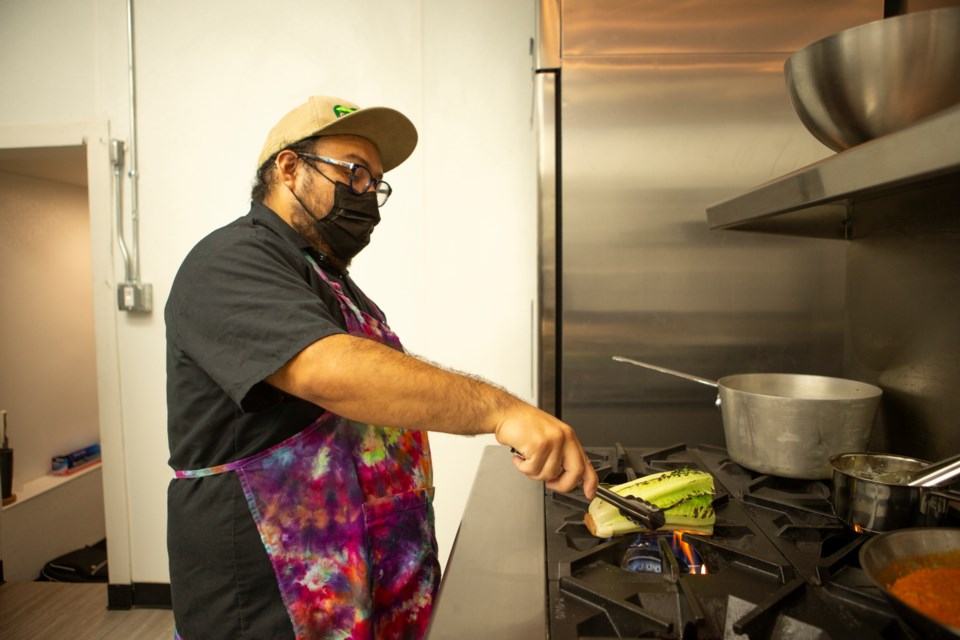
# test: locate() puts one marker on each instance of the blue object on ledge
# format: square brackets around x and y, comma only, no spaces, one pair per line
[79,458]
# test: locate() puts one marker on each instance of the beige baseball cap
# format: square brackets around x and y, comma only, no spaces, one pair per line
[391,131]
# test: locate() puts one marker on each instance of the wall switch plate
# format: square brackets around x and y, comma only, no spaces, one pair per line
[135,297]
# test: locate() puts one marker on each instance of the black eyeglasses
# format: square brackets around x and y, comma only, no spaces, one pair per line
[361,180]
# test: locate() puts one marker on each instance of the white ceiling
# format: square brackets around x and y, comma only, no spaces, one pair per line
[60,164]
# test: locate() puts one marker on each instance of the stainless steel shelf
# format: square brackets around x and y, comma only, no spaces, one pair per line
[817,200]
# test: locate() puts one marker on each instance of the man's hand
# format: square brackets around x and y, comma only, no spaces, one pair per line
[547,450]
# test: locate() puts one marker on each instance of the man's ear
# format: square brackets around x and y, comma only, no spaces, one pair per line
[286,163]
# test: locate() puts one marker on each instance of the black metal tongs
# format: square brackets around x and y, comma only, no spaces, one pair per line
[639,511]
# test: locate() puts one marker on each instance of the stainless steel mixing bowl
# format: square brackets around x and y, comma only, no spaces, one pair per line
[877,78]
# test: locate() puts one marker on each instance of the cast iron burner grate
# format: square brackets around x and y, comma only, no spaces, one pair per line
[779,564]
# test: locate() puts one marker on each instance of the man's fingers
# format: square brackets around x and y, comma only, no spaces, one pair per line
[540,466]
[590,482]
[561,467]
[548,450]
[566,482]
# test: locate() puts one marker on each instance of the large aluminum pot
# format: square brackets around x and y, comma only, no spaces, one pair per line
[890,556]
[789,425]
[871,493]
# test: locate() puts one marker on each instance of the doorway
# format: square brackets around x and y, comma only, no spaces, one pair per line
[58,367]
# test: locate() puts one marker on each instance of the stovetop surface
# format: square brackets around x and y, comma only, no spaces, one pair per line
[780,564]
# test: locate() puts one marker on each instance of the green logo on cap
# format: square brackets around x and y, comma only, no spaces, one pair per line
[339,110]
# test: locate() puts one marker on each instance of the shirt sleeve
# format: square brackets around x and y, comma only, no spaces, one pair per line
[244,307]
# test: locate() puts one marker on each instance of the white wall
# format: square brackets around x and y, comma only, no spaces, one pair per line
[453,262]
[477,275]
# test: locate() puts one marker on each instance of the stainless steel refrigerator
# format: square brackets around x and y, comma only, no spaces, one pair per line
[648,112]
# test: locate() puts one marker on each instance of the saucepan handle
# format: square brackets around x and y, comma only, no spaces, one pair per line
[672,372]
[938,474]
[935,504]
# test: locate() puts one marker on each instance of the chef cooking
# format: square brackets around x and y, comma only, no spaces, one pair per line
[302,503]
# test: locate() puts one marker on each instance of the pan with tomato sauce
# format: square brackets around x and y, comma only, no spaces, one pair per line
[918,571]
[934,591]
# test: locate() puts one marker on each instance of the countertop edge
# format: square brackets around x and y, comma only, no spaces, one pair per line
[494,585]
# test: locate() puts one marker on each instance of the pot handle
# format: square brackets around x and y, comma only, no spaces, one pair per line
[672,372]
[937,474]
[936,503]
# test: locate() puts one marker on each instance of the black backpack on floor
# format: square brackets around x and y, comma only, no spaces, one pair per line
[83,565]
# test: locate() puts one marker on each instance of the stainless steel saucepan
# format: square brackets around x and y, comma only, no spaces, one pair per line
[789,425]
[878,492]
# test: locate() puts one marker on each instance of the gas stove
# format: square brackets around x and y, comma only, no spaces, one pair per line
[780,564]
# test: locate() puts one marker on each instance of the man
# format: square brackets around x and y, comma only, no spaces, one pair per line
[302,505]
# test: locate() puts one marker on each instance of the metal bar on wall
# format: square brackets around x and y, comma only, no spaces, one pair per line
[132,294]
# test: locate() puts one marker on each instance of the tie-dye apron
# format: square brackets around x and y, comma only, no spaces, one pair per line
[345,512]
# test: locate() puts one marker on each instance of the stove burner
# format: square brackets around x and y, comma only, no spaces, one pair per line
[779,564]
[646,553]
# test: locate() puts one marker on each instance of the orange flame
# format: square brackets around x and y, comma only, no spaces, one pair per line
[688,552]
[858,528]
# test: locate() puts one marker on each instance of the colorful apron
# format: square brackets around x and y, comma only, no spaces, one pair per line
[345,512]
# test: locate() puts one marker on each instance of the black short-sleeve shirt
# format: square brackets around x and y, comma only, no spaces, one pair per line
[244,302]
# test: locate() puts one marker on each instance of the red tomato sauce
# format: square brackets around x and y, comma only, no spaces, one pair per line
[934,592]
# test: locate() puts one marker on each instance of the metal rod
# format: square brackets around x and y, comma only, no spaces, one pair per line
[116,158]
[134,275]
[679,374]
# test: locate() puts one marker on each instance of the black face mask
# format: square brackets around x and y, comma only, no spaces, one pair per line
[350,222]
